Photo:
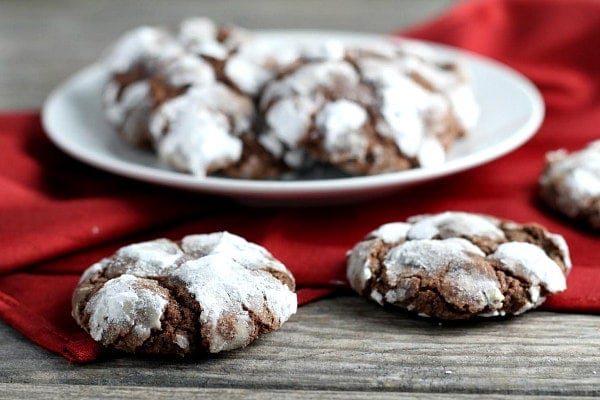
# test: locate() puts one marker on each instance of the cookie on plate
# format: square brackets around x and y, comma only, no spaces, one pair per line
[205,293]
[457,265]
[570,183]
[366,110]
[130,63]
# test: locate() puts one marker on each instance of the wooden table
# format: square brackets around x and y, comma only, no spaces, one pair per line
[343,347]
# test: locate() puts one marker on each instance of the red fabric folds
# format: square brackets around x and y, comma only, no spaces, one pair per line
[58,216]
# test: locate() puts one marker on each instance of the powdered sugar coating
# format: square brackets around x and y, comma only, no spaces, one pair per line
[201,36]
[146,259]
[457,265]
[410,113]
[391,232]
[341,122]
[452,224]
[416,116]
[532,263]
[194,132]
[145,46]
[256,62]
[227,290]
[187,69]
[126,305]
[304,90]
[571,183]
[131,61]
[239,288]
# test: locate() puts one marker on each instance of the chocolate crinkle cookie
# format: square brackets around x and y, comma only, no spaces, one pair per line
[457,265]
[366,110]
[570,183]
[214,99]
[205,293]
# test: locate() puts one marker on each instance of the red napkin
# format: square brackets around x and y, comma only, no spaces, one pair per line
[58,216]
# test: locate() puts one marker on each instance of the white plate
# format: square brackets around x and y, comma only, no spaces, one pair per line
[511,112]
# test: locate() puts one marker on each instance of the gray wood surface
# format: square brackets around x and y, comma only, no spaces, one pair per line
[336,348]
[342,345]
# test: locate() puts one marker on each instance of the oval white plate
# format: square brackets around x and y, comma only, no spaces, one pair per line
[74,120]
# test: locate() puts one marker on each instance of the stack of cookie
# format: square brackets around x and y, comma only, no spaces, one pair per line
[214,99]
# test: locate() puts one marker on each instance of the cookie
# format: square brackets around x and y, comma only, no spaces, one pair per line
[570,184]
[323,108]
[456,265]
[205,293]
[366,110]
[130,63]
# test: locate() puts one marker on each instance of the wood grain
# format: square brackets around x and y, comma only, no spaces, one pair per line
[337,348]
[349,344]
[20,391]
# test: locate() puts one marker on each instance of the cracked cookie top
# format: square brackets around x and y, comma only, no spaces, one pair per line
[457,265]
[207,292]
[570,183]
[366,110]
[316,106]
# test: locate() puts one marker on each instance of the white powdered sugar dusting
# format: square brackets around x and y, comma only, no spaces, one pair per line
[187,69]
[235,283]
[248,75]
[400,263]
[341,122]
[428,255]
[531,263]
[250,255]
[182,341]
[431,153]
[454,256]
[359,268]
[257,62]
[122,305]
[392,232]
[200,36]
[308,79]
[465,105]
[451,223]
[561,243]
[226,290]
[93,270]
[193,135]
[579,173]
[146,259]
[147,45]
[119,107]
[289,120]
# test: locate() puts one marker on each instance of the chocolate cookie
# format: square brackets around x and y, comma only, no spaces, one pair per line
[131,62]
[570,183]
[191,94]
[458,265]
[366,110]
[205,293]
[188,95]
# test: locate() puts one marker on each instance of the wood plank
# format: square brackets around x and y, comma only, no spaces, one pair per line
[349,344]
[26,392]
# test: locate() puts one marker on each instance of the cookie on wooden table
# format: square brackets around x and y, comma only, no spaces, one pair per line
[205,293]
[457,265]
[570,183]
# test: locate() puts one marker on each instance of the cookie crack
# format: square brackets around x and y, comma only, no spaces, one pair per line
[180,330]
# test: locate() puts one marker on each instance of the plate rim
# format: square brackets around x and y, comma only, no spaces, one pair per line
[323,187]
